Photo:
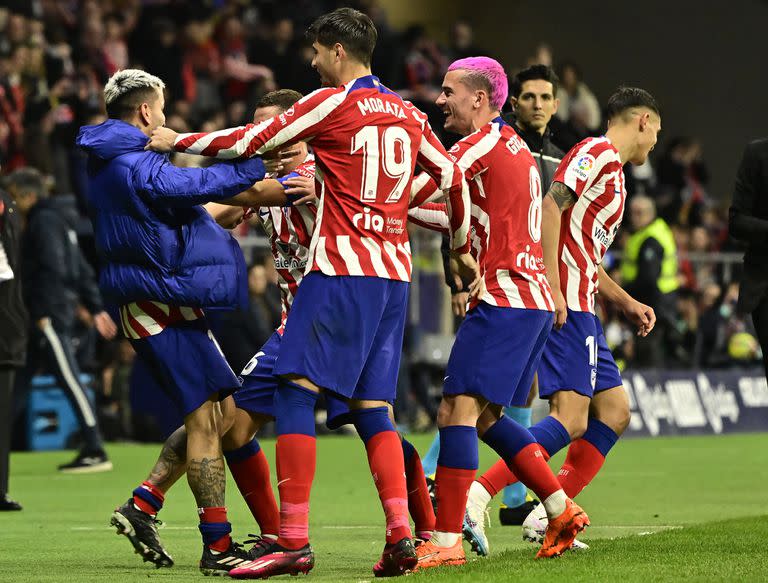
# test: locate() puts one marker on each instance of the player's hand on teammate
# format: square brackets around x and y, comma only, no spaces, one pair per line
[561,308]
[162,140]
[459,303]
[275,161]
[105,325]
[465,266]
[301,186]
[641,316]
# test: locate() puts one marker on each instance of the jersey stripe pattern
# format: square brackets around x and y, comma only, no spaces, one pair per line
[505,228]
[592,169]
[289,230]
[147,318]
[366,141]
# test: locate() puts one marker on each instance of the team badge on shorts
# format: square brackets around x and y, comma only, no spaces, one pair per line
[593,378]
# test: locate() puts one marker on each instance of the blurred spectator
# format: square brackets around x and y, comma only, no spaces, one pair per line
[241,334]
[682,178]
[649,274]
[579,108]
[425,65]
[13,340]
[463,42]
[724,337]
[115,380]
[55,277]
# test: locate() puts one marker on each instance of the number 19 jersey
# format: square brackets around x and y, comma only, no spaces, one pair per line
[366,141]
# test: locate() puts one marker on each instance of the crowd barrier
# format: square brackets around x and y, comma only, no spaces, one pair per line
[696,402]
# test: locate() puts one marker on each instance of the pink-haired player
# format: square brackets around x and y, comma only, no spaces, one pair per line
[500,342]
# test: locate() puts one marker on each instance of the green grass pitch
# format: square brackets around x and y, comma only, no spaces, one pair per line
[665,509]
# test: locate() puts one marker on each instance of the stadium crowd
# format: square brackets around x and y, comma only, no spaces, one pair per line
[217,58]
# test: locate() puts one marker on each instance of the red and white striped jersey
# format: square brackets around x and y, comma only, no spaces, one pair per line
[592,169]
[147,318]
[290,231]
[366,142]
[505,229]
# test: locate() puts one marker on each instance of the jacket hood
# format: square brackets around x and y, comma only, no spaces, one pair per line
[110,139]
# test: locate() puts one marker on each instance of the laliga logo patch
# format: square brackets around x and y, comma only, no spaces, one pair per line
[584,166]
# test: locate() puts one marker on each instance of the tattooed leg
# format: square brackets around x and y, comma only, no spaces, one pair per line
[172,463]
[205,462]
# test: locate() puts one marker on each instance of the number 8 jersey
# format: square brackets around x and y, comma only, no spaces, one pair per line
[366,141]
[505,228]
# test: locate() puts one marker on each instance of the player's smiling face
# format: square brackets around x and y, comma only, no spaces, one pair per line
[456,102]
[536,105]
[324,61]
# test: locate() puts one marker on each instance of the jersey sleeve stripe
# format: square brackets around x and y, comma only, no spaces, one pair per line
[478,150]
[304,122]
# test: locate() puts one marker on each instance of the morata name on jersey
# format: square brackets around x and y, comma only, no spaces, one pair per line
[376,105]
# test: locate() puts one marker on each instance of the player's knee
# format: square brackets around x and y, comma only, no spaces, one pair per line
[488,419]
[205,420]
[227,418]
[617,418]
[576,427]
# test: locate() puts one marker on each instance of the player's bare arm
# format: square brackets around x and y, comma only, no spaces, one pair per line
[638,313]
[267,192]
[227,217]
[562,196]
[558,199]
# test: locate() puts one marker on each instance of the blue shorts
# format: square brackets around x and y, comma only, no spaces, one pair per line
[496,353]
[577,358]
[259,381]
[188,365]
[345,334]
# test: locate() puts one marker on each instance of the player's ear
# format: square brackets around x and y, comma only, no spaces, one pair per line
[645,119]
[339,51]
[513,102]
[556,105]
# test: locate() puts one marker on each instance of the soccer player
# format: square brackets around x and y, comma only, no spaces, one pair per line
[534,102]
[345,330]
[581,214]
[492,364]
[166,260]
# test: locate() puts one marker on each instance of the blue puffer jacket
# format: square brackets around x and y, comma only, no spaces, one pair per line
[158,243]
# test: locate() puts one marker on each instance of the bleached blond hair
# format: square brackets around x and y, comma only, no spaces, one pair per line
[129,80]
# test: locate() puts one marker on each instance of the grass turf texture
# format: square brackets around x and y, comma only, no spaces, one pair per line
[662,509]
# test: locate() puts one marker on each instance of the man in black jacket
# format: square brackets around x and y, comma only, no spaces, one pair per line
[748,222]
[533,95]
[55,278]
[13,340]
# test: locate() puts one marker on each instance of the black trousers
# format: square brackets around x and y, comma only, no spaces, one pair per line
[760,319]
[7,375]
[51,349]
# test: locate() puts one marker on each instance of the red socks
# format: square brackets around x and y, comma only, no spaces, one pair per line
[252,478]
[419,502]
[581,465]
[497,477]
[452,490]
[530,465]
[385,458]
[296,457]
[148,498]
[215,528]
